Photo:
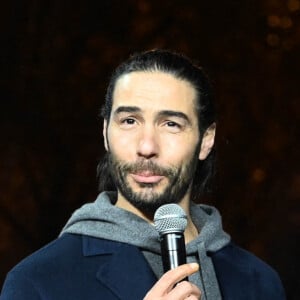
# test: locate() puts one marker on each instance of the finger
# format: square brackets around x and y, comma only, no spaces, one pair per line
[185,290]
[169,279]
[192,297]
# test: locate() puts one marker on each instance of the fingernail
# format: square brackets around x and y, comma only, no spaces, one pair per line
[194,266]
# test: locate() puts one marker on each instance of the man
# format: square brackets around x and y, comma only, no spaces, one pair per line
[159,129]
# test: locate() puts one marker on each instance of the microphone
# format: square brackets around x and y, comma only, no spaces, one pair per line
[170,221]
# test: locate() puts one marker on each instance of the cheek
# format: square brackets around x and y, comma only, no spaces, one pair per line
[180,151]
[120,144]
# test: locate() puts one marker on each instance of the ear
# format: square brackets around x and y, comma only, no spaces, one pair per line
[104,132]
[208,141]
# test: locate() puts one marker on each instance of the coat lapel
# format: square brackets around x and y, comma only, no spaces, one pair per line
[124,269]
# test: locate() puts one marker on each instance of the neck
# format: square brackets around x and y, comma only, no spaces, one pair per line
[126,205]
[191,231]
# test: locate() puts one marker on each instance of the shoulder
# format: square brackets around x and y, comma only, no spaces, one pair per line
[240,269]
[61,254]
[79,267]
[45,267]
[25,277]
[61,248]
[242,257]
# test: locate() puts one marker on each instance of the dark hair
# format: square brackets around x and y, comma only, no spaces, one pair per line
[182,68]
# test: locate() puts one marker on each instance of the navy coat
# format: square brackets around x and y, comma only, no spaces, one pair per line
[82,267]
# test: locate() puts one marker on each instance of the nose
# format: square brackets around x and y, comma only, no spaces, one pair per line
[148,145]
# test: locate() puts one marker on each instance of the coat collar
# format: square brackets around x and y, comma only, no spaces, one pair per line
[124,270]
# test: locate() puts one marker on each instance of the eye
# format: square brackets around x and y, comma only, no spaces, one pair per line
[173,127]
[173,124]
[128,121]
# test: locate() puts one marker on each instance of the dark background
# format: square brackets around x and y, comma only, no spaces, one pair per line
[56,58]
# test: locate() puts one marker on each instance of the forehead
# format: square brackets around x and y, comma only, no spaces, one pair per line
[155,89]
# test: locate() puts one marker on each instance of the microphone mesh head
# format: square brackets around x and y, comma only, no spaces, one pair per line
[170,218]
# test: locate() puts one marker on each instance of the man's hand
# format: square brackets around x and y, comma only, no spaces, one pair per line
[166,288]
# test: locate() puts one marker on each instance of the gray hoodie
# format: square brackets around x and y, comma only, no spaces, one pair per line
[101,219]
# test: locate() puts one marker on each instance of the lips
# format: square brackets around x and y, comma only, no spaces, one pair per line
[147,177]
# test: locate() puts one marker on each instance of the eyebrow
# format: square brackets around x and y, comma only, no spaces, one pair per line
[173,113]
[162,113]
[129,109]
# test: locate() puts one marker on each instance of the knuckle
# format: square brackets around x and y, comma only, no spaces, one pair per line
[170,276]
[185,285]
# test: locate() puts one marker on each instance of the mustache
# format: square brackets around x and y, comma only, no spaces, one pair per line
[147,166]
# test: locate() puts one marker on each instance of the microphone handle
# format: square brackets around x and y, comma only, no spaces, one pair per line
[173,250]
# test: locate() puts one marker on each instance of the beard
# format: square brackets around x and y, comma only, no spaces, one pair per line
[146,199]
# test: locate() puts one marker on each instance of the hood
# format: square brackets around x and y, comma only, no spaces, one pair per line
[102,219]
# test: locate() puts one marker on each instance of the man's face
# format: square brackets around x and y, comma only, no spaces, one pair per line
[152,139]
